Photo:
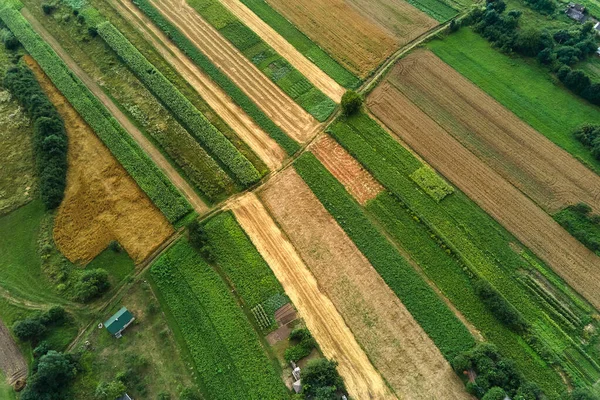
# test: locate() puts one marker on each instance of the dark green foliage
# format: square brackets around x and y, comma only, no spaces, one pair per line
[543,6]
[304,345]
[50,137]
[495,393]
[9,40]
[109,390]
[583,394]
[54,316]
[351,102]
[320,378]
[579,221]
[48,7]
[55,371]
[29,330]
[493,371]
[502,309]
[92,284]
[199,240]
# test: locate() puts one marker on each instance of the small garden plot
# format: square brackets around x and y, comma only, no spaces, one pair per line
[434,185]
[224,347]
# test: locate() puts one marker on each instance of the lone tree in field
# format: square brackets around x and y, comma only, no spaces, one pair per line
[351,103]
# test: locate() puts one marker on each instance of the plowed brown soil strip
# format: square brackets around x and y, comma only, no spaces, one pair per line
[395,343]
[577,265]
[12,362]
[102,203]
[278,106]
[347,170]
[320,79]
[321,317]
[542,170]
[260,142]
[356,32]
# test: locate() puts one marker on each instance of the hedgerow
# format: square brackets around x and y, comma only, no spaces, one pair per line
[223,345]
[277,68]
[440,323]
[204,63]
[213,140]
[151,180]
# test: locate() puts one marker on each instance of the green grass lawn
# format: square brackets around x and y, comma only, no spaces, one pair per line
[118,264]
[523,87]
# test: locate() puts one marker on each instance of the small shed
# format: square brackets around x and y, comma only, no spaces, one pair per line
[119,322]
[297,386]
[125,397]
[576,12]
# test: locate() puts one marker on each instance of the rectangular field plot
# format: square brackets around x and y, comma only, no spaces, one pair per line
[359,34]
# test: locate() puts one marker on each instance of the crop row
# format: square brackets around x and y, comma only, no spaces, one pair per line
[437,9]
[211,139]
[204,63]
[440,323]
[292,82]
[223,345]
[303,43]
[151,180]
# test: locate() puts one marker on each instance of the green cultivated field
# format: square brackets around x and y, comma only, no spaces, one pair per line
[303,44]
[134,160]
[226,350]
[292,82]
[204,63]
[447,332]
[523,87]
[184,111]
[437,9]
[484,250]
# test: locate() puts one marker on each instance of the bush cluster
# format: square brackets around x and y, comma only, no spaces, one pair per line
[589,135]
[304,344]
[199,239]
[32,329]
[500,307]
[558,49]
[92,284]
[50,138]
[494,374]
[320,380]
[351,103]
[579,221]
[51,375]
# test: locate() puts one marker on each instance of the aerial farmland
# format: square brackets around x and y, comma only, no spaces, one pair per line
[309,199]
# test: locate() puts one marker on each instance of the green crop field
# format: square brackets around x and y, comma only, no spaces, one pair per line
[523,87]
[225,348]
[437,9]
[134,160]
[292,82]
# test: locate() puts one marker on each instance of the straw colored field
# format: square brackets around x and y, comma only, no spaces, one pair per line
[396,344]
[523,156]
[102,203]
[278,106]
[321,316]
[577,265]
[347,170]
[359,34]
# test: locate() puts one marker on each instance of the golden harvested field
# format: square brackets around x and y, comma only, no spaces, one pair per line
[394,342]
[102,202]
[358,181]
[277,105]
[359,34]
[577,265]
[317,310]
[542,170]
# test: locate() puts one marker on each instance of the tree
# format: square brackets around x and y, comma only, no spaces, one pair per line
[54,373]
[92,284]
[110,390]
[29,330]
[495,393]
[318,374]
[200,241]
[351,103]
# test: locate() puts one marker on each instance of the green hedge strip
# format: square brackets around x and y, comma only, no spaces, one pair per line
[147,175]
[438,321]
[204,63]
[192,119]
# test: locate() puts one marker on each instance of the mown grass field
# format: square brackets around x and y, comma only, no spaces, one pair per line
[226,350]
[523,87]
[292,82]
[483,249]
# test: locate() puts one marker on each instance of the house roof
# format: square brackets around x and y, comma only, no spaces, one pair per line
[125,397]
[118,321]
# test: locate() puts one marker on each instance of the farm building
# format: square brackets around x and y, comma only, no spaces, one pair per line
[125,397]
[119,322]
[576,12]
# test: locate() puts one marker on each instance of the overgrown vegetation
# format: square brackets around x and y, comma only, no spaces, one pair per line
[151,180]
[277,68]
[49,136]
[192,119]
[579,221]
[321,381]
[302,345]
[501,308]
[51,376]
[589,135]
[434,185]
[352,103]
[34,328]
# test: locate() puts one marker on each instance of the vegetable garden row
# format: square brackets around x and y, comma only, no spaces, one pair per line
[152,181]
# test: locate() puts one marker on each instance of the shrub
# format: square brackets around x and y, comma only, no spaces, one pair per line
[55,372]
[351,103]
[318,375]
[110,390]
[303,348]
[500,307]
[92,284]
[495,393]
[48,8]
[29,330]
[199,240]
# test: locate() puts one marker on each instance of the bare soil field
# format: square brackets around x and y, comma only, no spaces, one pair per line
[396,344]
[358,181]
[278,106]
[156,156]
[314,74]
[317,310]
[542,170]
[266,148]
[102,203]
[359,34]
[577,265]
[12,362]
